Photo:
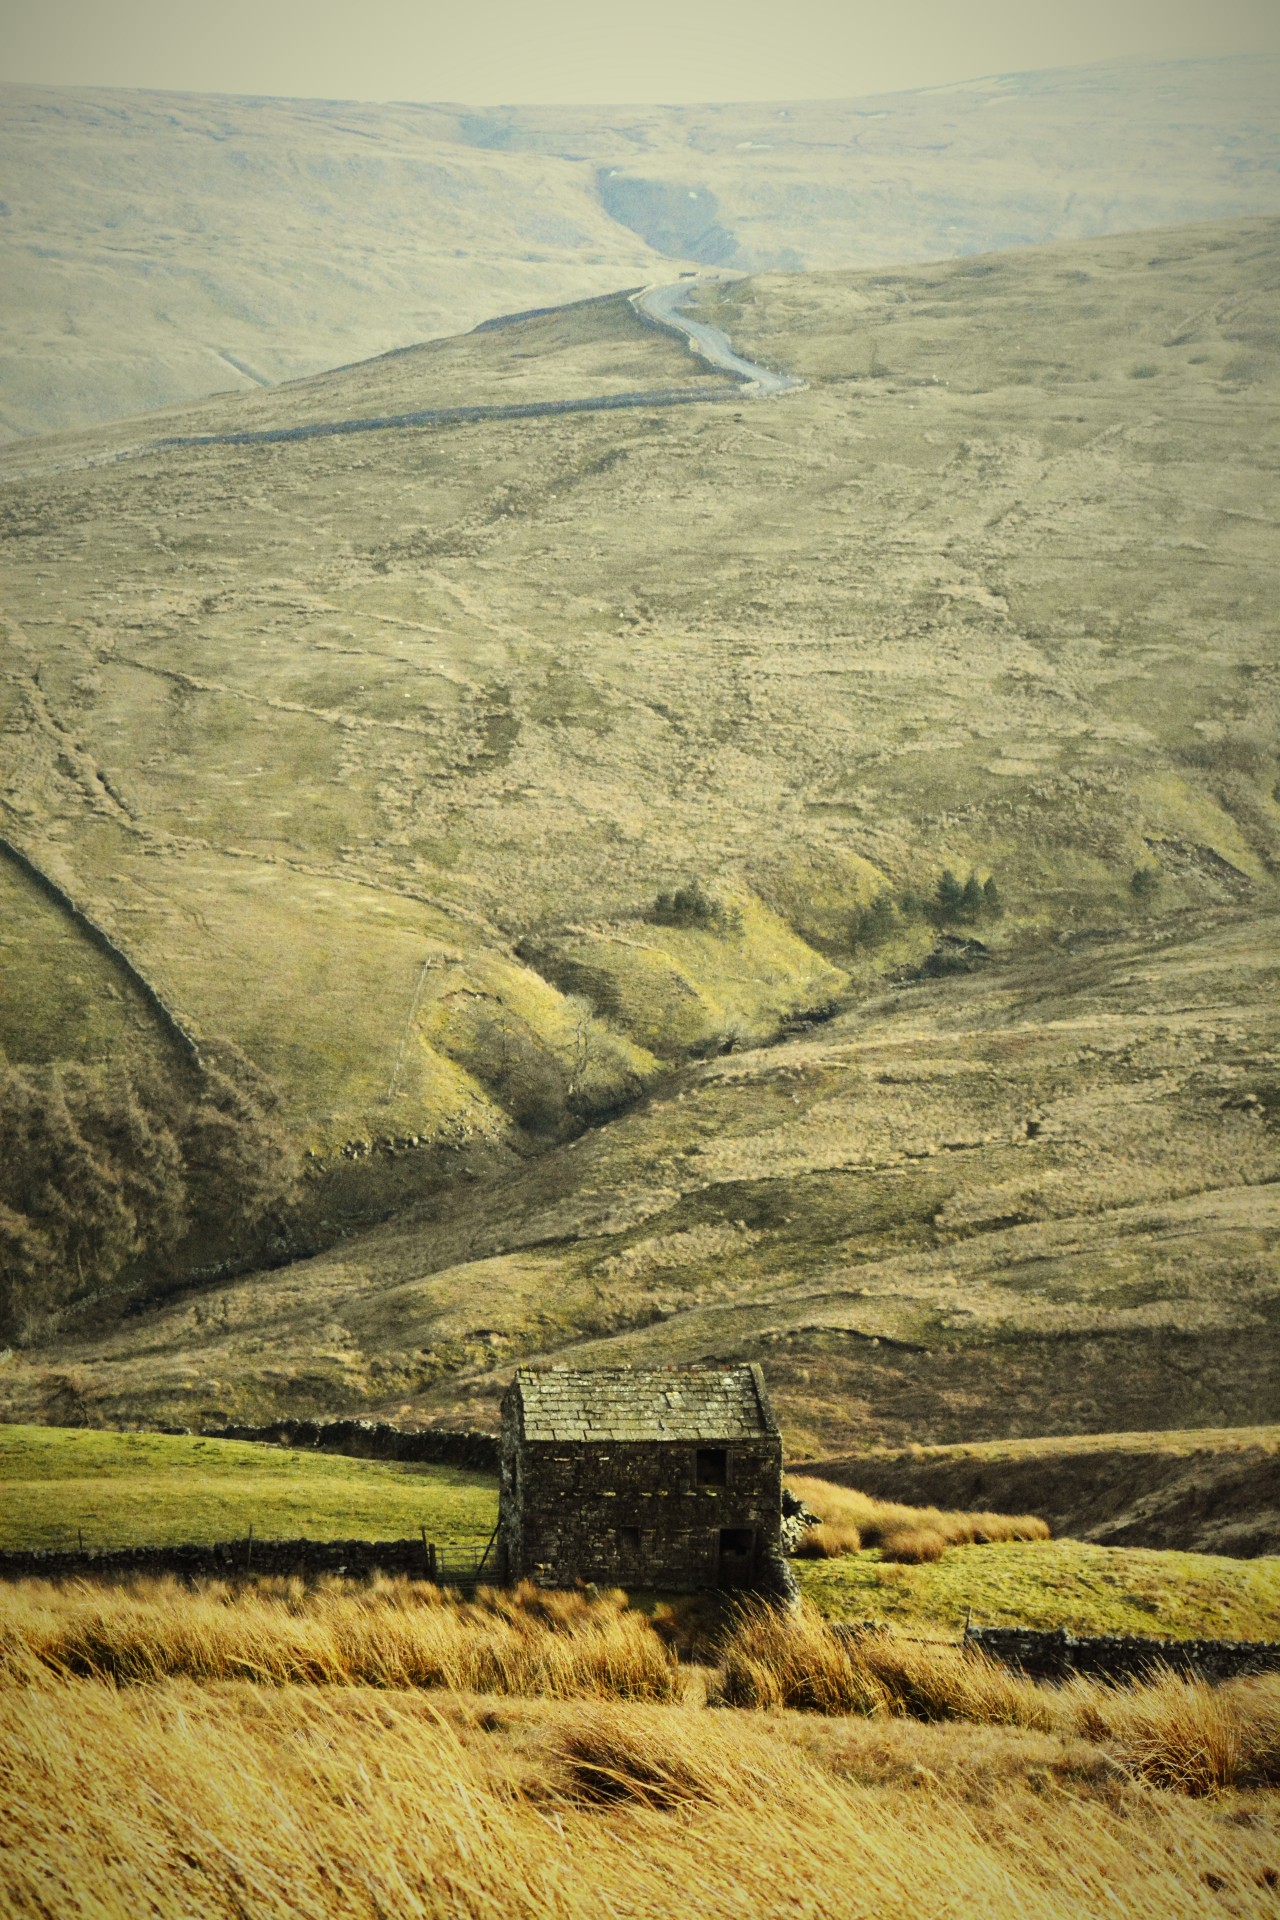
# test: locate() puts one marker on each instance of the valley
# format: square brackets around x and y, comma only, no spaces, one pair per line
[387,760]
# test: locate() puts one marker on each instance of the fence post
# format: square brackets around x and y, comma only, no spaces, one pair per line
[248,1551]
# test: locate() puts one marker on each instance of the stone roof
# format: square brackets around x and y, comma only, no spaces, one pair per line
[676,1403]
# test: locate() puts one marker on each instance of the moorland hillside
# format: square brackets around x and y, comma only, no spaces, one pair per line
[468,781]
[155,247]
[1038,1200]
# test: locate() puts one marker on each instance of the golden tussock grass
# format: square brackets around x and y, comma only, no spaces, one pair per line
[850,1521]
[1171,1730]
[309,1804]
[391,1633]
[774,1660]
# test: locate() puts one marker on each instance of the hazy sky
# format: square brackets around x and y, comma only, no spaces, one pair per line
[598,50]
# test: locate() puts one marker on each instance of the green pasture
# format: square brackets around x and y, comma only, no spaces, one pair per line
[124,1489]
[1056,1583]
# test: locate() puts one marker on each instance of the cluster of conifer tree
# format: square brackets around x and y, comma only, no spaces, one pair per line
[954,902]
[693,906]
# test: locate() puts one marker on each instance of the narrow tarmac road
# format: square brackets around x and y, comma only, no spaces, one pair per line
[664,306]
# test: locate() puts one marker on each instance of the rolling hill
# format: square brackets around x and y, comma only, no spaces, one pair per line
[374,753]
[155,248]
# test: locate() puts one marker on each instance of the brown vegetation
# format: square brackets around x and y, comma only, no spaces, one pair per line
[104,1169]
[850,1521]
[1172,1731]
[391,1633]
[918,1780]
[178,1801]
[1212,1489]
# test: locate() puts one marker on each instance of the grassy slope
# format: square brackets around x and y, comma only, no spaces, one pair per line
[129,1489]
[1214,1491]
[367,702]
[1058,1583]
[861,1209]
[385,699]
[159,247]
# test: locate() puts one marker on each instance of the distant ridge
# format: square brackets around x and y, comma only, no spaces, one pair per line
[161,247]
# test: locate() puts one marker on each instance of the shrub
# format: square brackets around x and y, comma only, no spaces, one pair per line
[101,1169]
[1144,883]
[693,906]
[872,925]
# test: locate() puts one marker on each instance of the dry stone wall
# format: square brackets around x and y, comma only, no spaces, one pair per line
[374,1440]
[224,1559]
[1114,1656]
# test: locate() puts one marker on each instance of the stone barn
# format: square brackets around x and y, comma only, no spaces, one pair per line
[668,1479]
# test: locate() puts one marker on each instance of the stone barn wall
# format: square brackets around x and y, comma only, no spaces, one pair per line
[637,1513]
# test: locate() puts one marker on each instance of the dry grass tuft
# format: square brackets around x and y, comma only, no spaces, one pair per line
[850,1520]
[1170,1731]
[391,1633]
[771,1659]
[1184,1734]
[825,1542]
[913,1546]
[608,1757]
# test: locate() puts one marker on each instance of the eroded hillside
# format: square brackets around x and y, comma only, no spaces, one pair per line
[374,753]
[1037,1200]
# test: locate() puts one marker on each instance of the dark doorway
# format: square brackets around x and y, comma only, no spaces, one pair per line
[737,1556]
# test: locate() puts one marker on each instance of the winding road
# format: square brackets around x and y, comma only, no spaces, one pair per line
[664,306]
[661,306]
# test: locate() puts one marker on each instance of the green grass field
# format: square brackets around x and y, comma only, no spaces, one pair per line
[1056,1583]
[125,1489]
[121,1489]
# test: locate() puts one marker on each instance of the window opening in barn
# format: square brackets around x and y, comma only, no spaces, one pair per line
[712,1467]
[629,1539]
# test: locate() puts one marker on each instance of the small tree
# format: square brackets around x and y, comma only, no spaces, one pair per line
[874,924]
[949,900]
[1145,884]
[992,900]
[972,900]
